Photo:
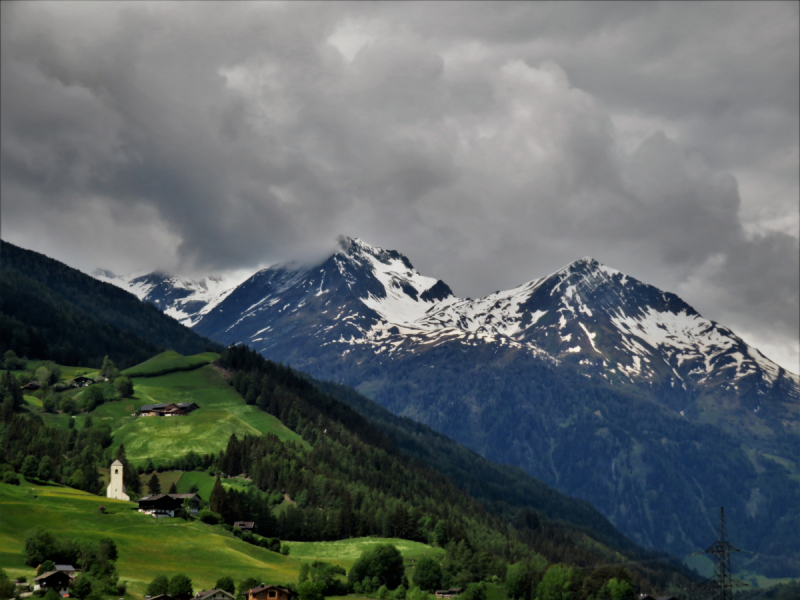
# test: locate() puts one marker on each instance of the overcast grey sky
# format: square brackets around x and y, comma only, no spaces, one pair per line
[491,143]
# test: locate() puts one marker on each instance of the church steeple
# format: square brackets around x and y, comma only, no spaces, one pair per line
[116,489]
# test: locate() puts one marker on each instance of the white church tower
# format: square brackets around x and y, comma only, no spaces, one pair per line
[116,489]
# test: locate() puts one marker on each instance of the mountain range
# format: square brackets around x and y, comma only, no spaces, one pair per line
[601,385]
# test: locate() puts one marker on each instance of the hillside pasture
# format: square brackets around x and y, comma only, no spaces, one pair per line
[150,547]
[346,552]
[147,547]
[168,362]
[222,413]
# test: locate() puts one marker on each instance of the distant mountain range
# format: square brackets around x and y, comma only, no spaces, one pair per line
[601,385]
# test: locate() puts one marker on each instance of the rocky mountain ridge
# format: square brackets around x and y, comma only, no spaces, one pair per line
[587,314]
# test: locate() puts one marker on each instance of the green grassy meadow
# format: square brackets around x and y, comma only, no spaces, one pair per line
[149,547]
[32,401]
[204,482]
[184,480]
[346,552]
[222,411]
[170,361]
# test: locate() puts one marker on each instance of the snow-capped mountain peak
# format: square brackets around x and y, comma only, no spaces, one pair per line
[363,297]
[185,300]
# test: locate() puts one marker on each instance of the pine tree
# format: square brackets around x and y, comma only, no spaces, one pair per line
[154,485]
[45,471]
[217,502]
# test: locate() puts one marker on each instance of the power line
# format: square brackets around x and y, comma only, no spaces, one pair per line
[721,585]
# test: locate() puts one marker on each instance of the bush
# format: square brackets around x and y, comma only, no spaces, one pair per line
[311,590]
[45,470]
[12,362]
[428,574]
[10,477]
[179,585]
[209,517]
[383,564]
[124,386]
[7,587]
[474,591]
[46,567]
[81,586]
[68,406]
[226,583]
[29,468]
[92,398]
[39,545]
[159,586]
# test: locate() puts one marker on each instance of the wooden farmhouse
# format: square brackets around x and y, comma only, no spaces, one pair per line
[269,592]
[81,381]
[68,569]
[167,505]
[194,502]
[214,595]
[245,525]
[168,597]
[167,410]
[52,580]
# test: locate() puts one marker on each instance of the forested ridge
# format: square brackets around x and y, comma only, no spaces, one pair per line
[51,311]
[355,481]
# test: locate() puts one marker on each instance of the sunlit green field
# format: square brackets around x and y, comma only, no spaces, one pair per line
[170,361]
[346,552]
[222,412]
[149,547]
[205,483]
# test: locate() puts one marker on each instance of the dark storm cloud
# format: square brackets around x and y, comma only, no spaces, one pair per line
[491,142]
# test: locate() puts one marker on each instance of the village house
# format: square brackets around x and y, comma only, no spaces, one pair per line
[451,593]
[244,525]
[52,580]
[214,595]
[269,592]
[168,597]
[167,505]
[31,386]
[68,569]
[81,381]
[194,502]
[167,410]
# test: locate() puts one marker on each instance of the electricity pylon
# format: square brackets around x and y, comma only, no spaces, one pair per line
[722,584]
